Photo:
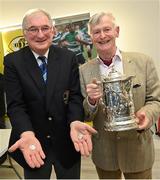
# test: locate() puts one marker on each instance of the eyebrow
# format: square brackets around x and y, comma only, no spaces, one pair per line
[38,26]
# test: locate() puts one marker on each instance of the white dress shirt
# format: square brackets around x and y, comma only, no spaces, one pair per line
[37,55]
[116,61]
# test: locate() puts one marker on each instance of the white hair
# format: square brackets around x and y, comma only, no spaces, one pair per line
[35,11]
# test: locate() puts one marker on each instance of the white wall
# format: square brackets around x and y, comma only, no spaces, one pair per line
[139,19]
[159,33]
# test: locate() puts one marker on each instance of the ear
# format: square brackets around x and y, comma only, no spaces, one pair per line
[24,33]
[53,31]
[117,29]
[91,35]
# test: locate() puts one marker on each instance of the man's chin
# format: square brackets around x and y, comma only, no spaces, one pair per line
[102,48]
[41,50]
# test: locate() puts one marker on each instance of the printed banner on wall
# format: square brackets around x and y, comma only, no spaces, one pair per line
[13,40]
[1,54]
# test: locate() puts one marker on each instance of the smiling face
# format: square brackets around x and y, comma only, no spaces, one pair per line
[38,32]
[104,34]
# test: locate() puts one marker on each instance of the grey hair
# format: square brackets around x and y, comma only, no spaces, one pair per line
[95,19]
[35,11]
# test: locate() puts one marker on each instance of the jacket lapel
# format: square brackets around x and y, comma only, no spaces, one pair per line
[53,73]
[33,69]
[129,67]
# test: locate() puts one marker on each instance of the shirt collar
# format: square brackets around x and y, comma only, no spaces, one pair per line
[37,55]
[116,57]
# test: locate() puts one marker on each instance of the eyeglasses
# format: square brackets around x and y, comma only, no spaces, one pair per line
[35,30]
[96,33]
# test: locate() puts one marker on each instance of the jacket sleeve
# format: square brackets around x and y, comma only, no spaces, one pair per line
[89,113]
[152,98]
[16,107]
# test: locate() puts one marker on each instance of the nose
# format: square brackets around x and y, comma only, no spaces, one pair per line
[40,33]
[102,34]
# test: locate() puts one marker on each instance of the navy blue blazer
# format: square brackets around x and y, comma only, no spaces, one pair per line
[47,109]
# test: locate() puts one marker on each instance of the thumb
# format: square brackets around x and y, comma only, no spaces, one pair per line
[94,81]
[90,129]
[140,115]
[14,147]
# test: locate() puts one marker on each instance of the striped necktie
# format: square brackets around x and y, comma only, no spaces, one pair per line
[43,67]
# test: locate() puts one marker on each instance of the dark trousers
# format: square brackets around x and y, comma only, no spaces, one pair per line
[61,172]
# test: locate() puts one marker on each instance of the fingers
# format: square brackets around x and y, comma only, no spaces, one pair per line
[43,156]
[37,160]
[76,145]
[85,145]
[34,158]
[94,90]
[140,115]
[81,149]
[84,149]
[28,160]
[89,143]
[81,136]
[142,120]
[90,129]
[31,149]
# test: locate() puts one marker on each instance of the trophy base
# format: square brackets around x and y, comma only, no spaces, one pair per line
[121,126]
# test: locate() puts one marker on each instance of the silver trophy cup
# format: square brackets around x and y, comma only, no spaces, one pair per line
[118,102]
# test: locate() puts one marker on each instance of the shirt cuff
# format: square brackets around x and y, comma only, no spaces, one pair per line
[92,108]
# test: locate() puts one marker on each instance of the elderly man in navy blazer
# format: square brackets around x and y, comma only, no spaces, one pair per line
[44,104]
